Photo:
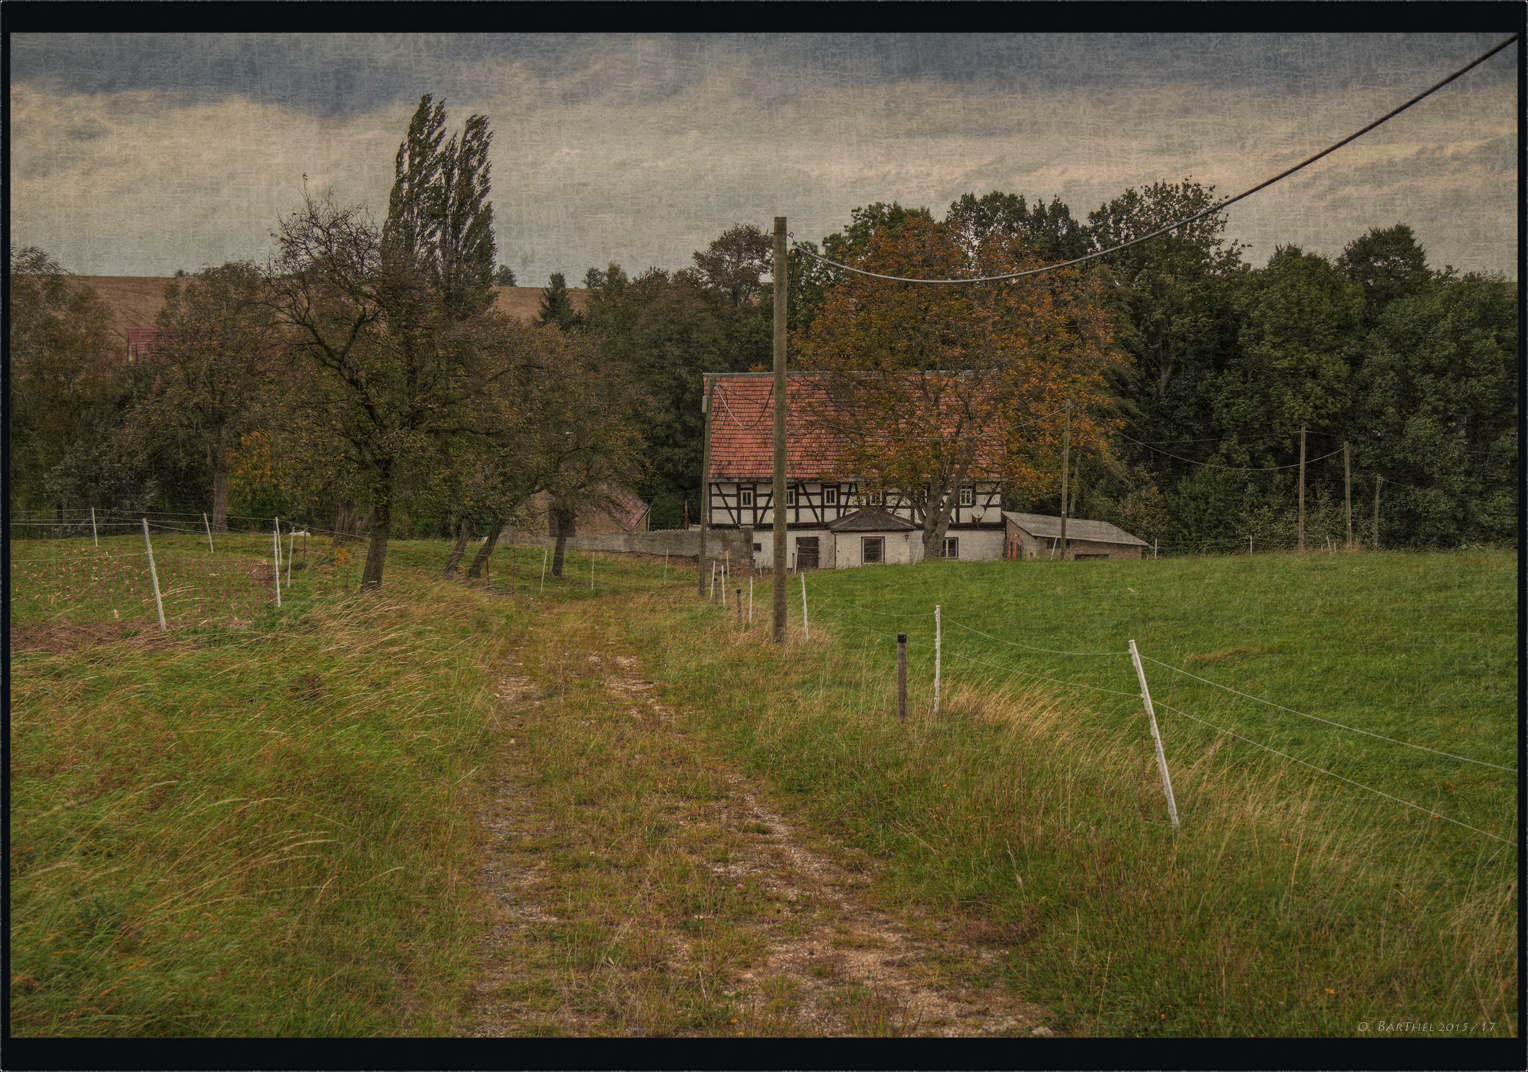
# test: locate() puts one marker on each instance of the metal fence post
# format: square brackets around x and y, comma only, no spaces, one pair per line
[936,658]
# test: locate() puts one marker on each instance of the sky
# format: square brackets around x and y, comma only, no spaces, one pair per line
[138,154]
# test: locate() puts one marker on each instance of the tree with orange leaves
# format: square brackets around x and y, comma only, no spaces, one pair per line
[928,387]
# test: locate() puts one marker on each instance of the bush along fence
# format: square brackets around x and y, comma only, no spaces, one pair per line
[930,664]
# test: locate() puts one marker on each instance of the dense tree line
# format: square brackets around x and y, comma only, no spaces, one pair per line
[362,378]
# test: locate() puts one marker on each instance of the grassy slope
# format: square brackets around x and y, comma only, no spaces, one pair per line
[1289,903]
[260,827]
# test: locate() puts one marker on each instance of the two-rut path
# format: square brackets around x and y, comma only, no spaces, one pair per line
[641,885]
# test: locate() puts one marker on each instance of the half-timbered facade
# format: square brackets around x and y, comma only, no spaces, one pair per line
[832,520]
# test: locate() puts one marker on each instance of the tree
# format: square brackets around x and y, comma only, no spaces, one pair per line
[504,276]
[557,305]
[395,325]
[215,358]
[1050,231]
[929,386]
[62,362]
[734,263]
[1389,264]
[1436,413]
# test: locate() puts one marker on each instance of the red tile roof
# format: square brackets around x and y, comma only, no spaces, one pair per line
[742,430]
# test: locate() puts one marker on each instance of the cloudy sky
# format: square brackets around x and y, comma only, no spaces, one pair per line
[141,154]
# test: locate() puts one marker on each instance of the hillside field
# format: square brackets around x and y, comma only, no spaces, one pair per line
[264,821]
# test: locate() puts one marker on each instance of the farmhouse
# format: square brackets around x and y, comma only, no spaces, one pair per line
[1039,536]
[832,519]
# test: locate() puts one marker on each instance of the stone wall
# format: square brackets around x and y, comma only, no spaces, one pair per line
[678,543]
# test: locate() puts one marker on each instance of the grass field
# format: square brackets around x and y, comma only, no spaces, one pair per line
[1290,903]
[264,822]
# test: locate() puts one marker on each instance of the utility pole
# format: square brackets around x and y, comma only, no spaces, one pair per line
[705,483]
[777,497]
[1066,460]
[1378,480]
[1302,491]
[1347,491]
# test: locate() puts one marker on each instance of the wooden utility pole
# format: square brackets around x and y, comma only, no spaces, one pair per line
[1378,480]
[778,494]
[705,485]
[1066,460]
[1302,491]
[1347,492]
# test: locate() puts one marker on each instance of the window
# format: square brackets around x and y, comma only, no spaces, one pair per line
[967,496]
[872,549]
[951,547]
[758,547]
[745,497]
[830,496]
[871,498]
[790,496]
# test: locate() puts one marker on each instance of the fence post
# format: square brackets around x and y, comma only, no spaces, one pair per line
[902,676]
[936,658]
[276,546]
[665,569]
[153,574]
[543,570]
[805,626]
[1167,783]
[750,600]
[208,525]
[591,571]
[291,543]
[93,540]
[711,591]
[740,607]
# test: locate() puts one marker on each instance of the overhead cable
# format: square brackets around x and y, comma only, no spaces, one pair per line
[1233,468]
[1218,206]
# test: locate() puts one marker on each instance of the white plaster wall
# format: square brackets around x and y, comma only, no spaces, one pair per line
[981,545]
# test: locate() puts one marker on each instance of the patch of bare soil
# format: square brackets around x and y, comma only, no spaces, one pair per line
[64,637]
[810,956]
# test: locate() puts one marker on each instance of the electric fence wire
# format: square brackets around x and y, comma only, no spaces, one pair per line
[1163,707]
[1041,677]
[1028,647]
[1217,207]
[1329,722]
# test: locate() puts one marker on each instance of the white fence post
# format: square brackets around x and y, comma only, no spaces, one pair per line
[276,554]
[1167,783]
[544,552]
[936,658]
[153,574]
[750,600]
[93,540]
[805,627]
[208,524]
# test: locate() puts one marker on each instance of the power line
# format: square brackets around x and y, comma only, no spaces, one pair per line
[1233,468]
[1218,206]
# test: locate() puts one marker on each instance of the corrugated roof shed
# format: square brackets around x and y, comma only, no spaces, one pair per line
[1045,527]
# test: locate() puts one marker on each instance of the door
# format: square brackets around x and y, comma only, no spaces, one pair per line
[806,552]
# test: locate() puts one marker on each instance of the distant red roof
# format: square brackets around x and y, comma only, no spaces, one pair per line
[141,341]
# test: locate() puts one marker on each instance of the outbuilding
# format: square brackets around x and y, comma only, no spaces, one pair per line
[1039,536]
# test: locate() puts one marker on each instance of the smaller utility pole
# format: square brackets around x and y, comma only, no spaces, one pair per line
[705,484]
[1347,491]
[1378,480]
[1066,458]
[1302,491]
